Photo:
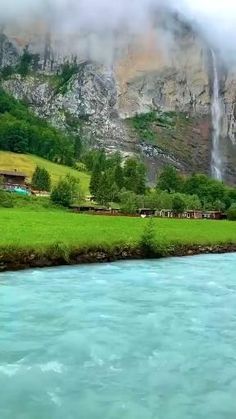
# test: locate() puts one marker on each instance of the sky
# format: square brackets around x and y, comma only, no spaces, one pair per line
[216,19]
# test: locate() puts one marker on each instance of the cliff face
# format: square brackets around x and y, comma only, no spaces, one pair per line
[169,90]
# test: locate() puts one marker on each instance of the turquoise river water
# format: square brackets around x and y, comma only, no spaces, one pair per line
[128,340]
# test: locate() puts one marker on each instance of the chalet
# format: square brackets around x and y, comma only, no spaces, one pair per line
[11,179]
[192,214]
[213,215]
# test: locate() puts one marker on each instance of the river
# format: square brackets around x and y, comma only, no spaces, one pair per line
[128,340]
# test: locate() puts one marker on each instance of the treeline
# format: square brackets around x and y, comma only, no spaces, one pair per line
[23,132]
[110,178]
[112,181]
[209,194]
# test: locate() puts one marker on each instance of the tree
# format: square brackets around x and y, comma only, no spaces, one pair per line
[25,62]
[119,176]
[219,205]
[208,190]
[141,179]
[41,180]
[192,202]
[128,202]
[148,242]
[231,213]
[77,147]
[178,204]
[95,180]
[66,191]
[134,176]
[169,180]
[107,188]
[113,160]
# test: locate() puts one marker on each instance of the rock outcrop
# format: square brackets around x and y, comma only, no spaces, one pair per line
[101,101]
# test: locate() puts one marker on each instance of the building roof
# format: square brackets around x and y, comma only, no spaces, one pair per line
[13,173]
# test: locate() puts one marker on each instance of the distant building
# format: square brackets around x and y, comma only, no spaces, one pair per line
[192,214]
[213,215]
[12,179]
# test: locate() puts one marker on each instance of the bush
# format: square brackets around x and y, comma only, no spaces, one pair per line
[231,213]
[6,200]
[41,180]
[65,192]
[147,242]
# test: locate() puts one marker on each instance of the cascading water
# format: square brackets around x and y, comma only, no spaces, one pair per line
[216,160]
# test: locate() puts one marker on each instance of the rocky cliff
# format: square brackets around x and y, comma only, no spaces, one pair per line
[153,100]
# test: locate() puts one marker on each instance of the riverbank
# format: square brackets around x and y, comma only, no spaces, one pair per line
[17,259]
[52,238]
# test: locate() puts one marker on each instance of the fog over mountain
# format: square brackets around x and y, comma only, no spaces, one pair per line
[215,18]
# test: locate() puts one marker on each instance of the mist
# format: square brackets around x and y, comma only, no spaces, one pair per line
[109,20]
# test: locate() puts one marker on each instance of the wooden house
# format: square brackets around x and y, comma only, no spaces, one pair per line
[13,178]
[213,215]
[193,214]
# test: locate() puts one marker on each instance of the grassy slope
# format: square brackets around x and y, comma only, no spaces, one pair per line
[27,163]
[22,228]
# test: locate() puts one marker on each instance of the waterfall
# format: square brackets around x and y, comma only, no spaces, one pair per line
[216,160]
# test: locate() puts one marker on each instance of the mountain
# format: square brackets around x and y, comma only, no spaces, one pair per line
[155,100]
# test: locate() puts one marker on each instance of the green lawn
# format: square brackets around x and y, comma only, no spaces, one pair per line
[27,163]
[24,228]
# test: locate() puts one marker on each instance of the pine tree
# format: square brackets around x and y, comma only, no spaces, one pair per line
[95,180]
[41,180]
[119,176]
[135,176]
[107,189]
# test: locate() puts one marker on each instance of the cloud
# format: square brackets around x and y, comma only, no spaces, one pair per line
[216,19]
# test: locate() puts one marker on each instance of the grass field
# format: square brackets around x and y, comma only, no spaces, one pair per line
[37,230]
[27,163]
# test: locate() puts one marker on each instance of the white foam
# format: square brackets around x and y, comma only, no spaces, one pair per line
[54,398]
[52,366]
[9,369]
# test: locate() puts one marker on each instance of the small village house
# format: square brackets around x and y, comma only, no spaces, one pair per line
[13,178]
[192,214]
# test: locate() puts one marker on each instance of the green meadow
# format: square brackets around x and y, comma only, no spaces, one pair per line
[22,228]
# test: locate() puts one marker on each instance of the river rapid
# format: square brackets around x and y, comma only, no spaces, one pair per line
[131,340]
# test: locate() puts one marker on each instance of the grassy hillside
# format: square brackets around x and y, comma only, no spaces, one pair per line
[27,163]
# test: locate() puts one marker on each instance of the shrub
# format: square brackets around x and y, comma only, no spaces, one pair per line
[41,179]
[6,200]
[65,192]
[231,213]
[147,242]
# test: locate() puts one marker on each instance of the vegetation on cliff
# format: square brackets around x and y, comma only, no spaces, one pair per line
[175,134]
[23,132]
